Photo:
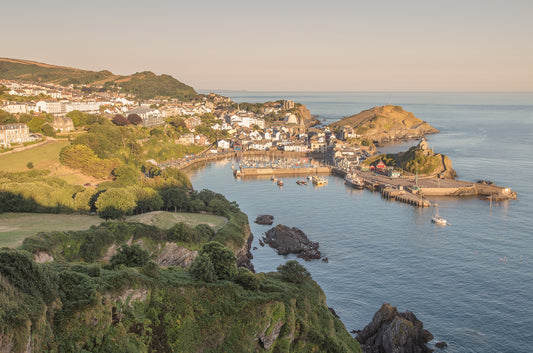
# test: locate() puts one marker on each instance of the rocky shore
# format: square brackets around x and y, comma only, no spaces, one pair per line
[288,240]
[393,332]
[264,219]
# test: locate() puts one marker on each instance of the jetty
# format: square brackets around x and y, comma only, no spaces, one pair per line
[244,172]
[413,191]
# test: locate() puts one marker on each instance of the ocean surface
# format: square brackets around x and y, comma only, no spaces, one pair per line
[471,282]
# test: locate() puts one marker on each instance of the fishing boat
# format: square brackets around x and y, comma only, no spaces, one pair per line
[439,220]
[280,182]
[318,180]
[354,181]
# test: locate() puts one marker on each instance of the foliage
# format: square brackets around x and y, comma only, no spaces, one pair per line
[293,272]
[222,258]
[83,158]
[203,269]
[7,118]
[48,130]
[115,203]
[120,120]
[135,119]
[247,279]
[130,256]
[29,165]
[125,175]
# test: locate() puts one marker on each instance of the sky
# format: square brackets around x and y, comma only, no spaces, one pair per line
[289,45]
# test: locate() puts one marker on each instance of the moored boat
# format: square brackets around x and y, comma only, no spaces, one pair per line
[280,182]
[439,220]
[354,181]
[318,180]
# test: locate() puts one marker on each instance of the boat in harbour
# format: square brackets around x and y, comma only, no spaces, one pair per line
[439,220]
[354,181]
[280,182]
[318,180]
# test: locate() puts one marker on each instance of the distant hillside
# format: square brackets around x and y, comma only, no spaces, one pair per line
[144,85]
[386,123]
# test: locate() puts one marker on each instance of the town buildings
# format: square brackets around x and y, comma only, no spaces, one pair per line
[151,117]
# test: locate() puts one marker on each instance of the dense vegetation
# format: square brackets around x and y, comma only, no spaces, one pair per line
[144,85]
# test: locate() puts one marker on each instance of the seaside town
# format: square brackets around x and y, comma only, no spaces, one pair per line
[283,130]
[273,126]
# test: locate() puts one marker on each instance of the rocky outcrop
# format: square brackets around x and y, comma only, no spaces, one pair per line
[291,241]
[264,219]
[244,256]
[42,257]
[174,255]
[386,124]
[394,332]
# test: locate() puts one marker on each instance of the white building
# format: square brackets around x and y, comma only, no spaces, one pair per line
[51,107]
[223,144]
[151,117]
[13,133]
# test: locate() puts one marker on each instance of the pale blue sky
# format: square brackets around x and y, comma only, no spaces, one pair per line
[308,45]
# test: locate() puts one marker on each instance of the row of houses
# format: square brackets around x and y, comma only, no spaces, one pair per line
[52,107]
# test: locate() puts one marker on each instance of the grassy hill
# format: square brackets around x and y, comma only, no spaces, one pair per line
[386,123]
[145,85]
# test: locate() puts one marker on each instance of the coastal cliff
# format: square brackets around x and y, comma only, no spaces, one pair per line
[77,300]
[385,124]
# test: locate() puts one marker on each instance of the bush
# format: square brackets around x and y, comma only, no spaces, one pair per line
[293,272]
[202,269]
[247,279]
[151,269]
[222,258]
[130,256]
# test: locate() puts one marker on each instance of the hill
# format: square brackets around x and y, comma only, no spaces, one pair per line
[144,85]
[386,123]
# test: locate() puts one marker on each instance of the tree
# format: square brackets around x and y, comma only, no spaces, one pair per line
[36,124]
[174,197]
[120,120]
[125,174]
[147,199]
[222,258]
[293,272]
[130,256]
[82,200]
[115,203]
[48,130]
[202,269]
[29,165]
[135,119]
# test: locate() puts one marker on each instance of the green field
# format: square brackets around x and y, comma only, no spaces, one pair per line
[166,220]
[14,227]
[43,157]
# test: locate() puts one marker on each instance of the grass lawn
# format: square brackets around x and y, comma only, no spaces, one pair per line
[14,227]
[166,220]
[43,157]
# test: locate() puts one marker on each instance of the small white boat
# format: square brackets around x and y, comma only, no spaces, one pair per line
[273,178]
[439,220]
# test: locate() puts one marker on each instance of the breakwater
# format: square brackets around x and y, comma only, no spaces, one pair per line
[243,172]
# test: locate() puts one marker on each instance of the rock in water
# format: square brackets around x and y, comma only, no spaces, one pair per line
[264,219]
[394,332]
[291,241]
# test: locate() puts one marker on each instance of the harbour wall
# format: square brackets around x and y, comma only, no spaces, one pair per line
[284,171]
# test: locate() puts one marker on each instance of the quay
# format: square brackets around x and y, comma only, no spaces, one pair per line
[244,172]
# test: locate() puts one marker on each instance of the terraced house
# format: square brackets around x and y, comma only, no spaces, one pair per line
[13,133]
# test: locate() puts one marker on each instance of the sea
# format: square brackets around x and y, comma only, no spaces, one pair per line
[470,282]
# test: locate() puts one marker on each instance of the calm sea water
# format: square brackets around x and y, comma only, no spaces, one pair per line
[470,283]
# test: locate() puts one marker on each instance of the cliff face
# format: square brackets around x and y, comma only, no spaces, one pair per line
[78,307]
[303,114]
[385,124]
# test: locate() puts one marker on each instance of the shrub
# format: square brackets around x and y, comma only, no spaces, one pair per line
[130,256]
[293,272]
[151,269]
[247,279]
[202,269]
[222,258]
